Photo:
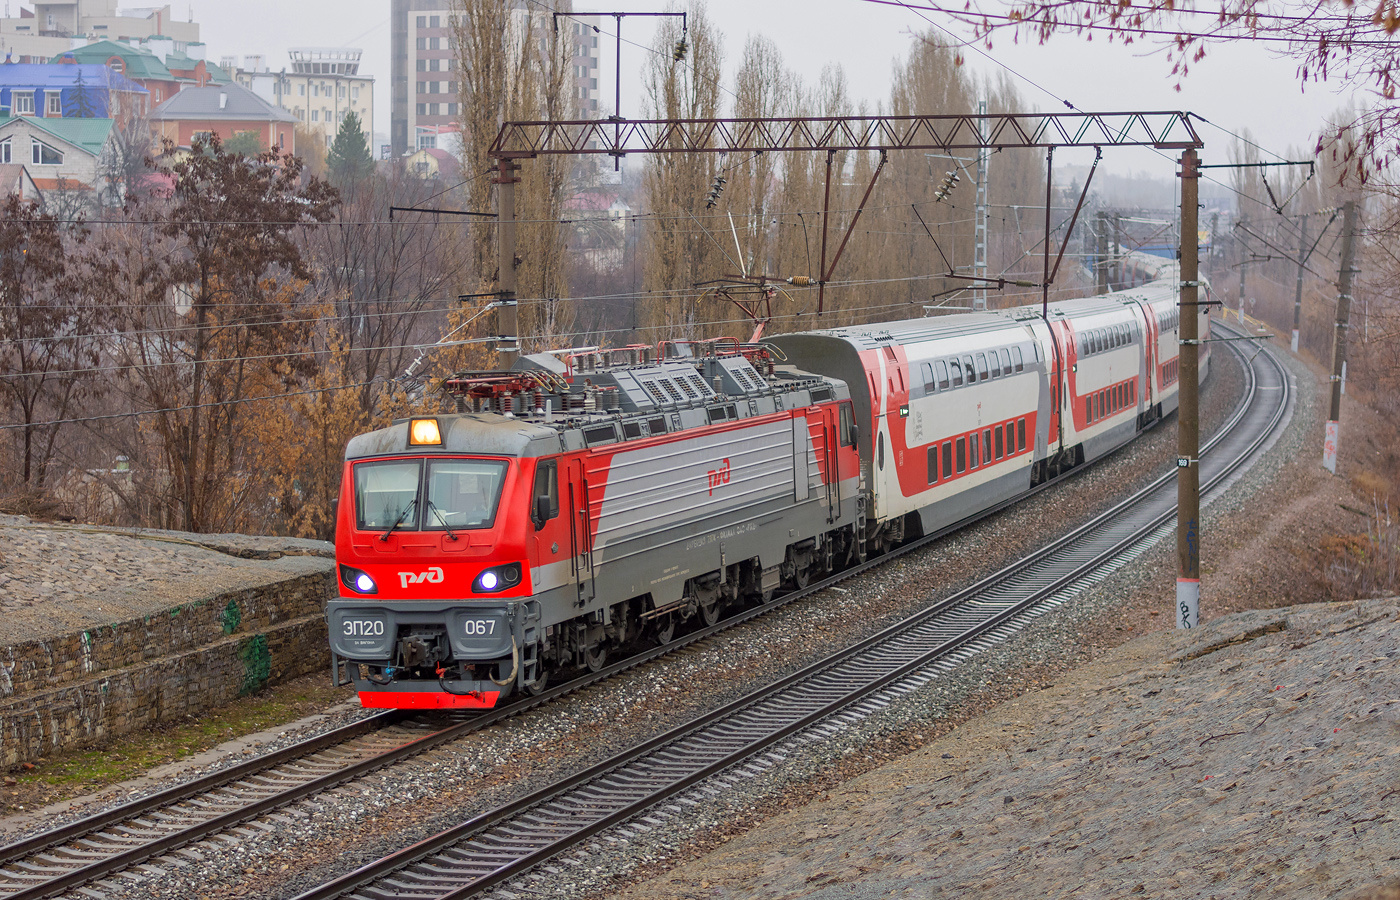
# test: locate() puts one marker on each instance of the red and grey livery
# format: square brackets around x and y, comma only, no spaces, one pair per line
[571,507]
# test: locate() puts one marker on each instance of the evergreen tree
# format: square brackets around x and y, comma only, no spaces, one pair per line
[349,159]
[79,102]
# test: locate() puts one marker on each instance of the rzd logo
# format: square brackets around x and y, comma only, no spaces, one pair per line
[432,576]
[719,476]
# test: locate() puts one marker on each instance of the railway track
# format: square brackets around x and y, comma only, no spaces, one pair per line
[492,848]
[66,858]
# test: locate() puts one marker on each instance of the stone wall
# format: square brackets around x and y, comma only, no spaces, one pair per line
[89,686]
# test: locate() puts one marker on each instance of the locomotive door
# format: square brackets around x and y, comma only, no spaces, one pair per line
[581,530]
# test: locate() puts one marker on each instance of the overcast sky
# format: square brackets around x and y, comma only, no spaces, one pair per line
[1237,87]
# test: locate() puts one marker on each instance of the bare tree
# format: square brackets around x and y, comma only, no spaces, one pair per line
[681,246]
[50,337]
[217,284]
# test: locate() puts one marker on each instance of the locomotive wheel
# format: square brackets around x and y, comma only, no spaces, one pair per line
[595,657]
[538,686]
[664,629]
[709,612]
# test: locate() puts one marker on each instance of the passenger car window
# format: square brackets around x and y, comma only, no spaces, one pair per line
[942,368]
[957,372]
[967,368]
[1016,356]
[982,367]
[995,363]
[1005,361]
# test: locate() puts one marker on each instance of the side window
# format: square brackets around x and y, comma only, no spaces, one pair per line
[971,374]
[546,502]
[976,457]
[1020,434]
[942,369]
[962,455]
[947,459]
[982,367]
[932,463]
[1005,361]
[957,372]
[987,445]
[930,385]
[1016,357]
[999,447]
[1010,438]
[848,426]
[996,364]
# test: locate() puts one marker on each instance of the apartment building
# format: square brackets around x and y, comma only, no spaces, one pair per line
[423,75]
[53,26]
[322,85]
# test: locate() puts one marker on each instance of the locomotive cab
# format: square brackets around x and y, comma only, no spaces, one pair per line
[435,542]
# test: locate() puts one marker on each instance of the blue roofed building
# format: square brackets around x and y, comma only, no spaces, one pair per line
[69,90]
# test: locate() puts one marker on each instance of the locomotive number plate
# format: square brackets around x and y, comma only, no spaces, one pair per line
[362,627]
[479,627]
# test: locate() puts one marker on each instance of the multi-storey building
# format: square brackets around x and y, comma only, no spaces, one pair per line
[321,88]
[158,64]
[54,25]
[423,74]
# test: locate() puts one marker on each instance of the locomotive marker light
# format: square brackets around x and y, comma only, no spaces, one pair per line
[423,432]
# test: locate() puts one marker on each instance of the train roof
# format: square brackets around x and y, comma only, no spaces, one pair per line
[872,336]
[483,433]
[545,406]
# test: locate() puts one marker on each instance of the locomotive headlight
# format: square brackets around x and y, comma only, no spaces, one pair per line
[424,431]
[497,578]
[358,581]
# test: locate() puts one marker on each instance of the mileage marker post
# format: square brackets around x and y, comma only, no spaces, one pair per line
[1188,469]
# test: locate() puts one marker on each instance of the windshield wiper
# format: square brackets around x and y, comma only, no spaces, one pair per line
[399,521]
[432,508]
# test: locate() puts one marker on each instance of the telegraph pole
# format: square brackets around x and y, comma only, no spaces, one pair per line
[1188,470]
[1298,288]
[1339,340]
[507,320]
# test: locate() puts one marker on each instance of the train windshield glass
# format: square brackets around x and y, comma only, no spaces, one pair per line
[463,493]
[460,494]
[386,493]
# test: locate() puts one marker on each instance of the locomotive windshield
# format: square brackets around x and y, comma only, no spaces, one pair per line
[427,495]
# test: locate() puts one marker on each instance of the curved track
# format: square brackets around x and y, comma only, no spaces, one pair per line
[494,847]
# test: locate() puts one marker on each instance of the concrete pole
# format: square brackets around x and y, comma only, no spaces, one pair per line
[1298,288]
[1243,220]
[1188,470]
[1117,281]
[1102,225]
[1339,341]
[979,256]
[507,320]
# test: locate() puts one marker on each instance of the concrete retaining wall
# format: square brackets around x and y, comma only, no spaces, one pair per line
[89,686]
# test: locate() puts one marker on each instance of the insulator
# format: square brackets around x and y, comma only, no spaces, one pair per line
[800,281]
[678,53]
